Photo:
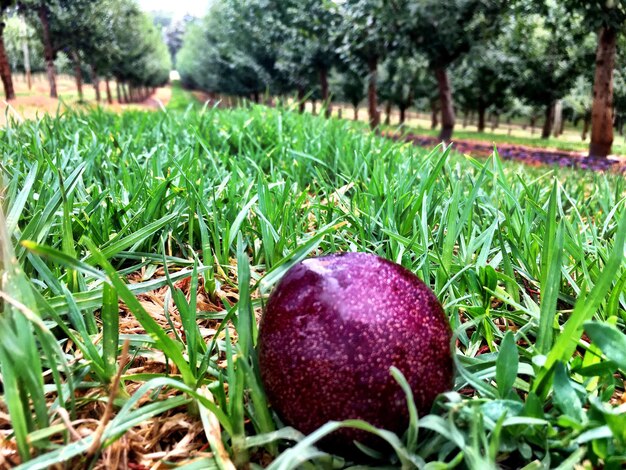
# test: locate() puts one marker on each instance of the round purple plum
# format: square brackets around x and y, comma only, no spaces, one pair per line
[331,331]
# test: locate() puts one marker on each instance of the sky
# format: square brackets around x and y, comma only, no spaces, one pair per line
[178,7]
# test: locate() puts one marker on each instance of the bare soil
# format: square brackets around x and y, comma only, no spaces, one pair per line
[529,155]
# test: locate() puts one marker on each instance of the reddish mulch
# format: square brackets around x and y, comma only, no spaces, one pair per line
[529,155]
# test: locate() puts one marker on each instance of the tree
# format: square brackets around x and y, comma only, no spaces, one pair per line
[240,44]
[226,65]
[41,11]
[23,47]
[443,32]
[483,80]
[619,98]
[309,28]
[549,50]
[174,34]
[98,49]
[579,101]
[298,71]
[365,34]
[607,17]
[5,68]
[78,27]
[348,85]
[401,77]
[140,58]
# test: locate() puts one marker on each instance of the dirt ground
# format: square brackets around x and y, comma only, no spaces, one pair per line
[34,102]
[529,155]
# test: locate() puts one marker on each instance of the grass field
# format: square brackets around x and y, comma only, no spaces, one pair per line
[146,243]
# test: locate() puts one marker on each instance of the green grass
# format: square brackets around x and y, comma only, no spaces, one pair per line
[205,205]
[181,98]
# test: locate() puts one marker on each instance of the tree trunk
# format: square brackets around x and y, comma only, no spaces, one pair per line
[96,82]
[434,122]
[120,97]
[125,92]
[323,73]
[48,51]
[26,53]
[495,121]
[339,113]
[533,121]
[372,105]
[388,113]
[465,118]
[481,115]
[447,105]
[558,118]
[547,123]
[586,123]
[301,102]
[108,90]
[402,114]
[5,68]
[314,106]
[78,74]
[602,108]
[256,97]
[356,112]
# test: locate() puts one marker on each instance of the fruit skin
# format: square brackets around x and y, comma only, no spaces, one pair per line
[330,332]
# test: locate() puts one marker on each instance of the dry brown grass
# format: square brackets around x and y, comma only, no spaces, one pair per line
[162,441]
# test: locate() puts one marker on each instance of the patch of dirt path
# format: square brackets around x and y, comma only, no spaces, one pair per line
[532,156]
[35,106]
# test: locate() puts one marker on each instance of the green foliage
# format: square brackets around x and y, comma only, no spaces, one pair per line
[348,86]
[601,13]
[236,56]
[483,79]
[444,31]
[521,258]
[365,32]
[402,80]
[308,47]
[549,50]
[139,55]
[112,36]
[16,32]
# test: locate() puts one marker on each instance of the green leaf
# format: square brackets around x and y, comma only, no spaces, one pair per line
[171,348]
[410,402]
[564,395]
[17,205]
[507,364]
[610,340]
[551,259]
[110,315]
[115,246]
[585,308]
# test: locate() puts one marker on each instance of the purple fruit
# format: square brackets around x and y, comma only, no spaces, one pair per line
[331,331]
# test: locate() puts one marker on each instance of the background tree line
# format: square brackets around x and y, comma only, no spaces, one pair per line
[543,59]
[103,39]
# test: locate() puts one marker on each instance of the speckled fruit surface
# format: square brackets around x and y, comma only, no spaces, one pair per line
[330,332]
